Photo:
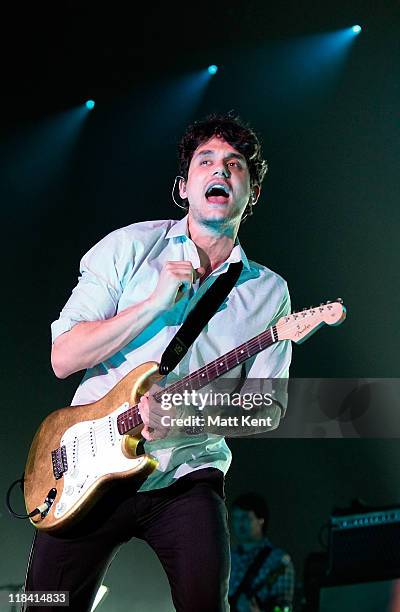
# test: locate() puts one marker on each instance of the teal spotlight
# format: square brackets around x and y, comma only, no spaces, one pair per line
[90,104]
[213,69]
[356,29]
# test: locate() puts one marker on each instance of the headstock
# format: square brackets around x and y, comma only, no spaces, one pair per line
[298,326]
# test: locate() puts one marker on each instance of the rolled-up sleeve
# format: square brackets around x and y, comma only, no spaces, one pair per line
[97,293]
[274,362]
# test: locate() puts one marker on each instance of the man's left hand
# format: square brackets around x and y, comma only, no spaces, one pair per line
[156,419]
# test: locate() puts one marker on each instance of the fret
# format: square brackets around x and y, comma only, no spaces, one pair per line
[231,360]
[198,381]
[128,420]
[204,375]
[121,423]
[212,371]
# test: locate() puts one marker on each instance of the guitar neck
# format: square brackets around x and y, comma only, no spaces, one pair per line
[131,418]
[213,370]
[297,327]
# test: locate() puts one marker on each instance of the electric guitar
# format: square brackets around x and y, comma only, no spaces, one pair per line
[78,451]
[250,593]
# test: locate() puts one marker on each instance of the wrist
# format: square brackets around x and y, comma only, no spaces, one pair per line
[152,306]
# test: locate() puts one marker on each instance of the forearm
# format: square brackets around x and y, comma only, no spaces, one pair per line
[234,421]
[228,421]
[255,409]
[91,342]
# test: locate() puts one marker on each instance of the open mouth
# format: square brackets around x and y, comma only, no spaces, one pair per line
[218,193]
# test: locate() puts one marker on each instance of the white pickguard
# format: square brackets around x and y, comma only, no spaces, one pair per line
[93,450]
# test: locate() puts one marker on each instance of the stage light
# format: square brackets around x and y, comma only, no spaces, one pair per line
[213,69]
[356,29]
[90,104]
[101,594]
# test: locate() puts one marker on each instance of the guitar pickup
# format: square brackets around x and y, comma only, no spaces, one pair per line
[59,460]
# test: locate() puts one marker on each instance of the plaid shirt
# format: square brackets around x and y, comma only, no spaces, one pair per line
[268,590]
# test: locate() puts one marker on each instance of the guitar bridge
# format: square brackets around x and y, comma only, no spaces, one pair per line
[59,460]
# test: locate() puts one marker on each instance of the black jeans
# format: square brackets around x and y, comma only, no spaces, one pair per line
[185,524]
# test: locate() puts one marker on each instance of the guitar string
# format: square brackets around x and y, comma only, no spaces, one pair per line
[84,440]
[250,344]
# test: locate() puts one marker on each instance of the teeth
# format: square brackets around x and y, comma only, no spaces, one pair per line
[218,186]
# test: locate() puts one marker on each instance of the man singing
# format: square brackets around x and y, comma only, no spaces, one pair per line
[136,288]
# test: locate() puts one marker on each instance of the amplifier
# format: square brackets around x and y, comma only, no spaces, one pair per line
[364,545]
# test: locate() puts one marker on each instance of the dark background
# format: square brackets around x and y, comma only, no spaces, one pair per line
[327,112]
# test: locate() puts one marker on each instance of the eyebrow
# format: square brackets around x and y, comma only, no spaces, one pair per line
[206,152]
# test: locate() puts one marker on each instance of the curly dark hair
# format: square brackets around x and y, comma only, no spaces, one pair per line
[255,502]
[237,133]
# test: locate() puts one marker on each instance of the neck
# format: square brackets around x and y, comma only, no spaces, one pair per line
[214,243]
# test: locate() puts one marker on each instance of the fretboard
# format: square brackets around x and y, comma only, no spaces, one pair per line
[205,375]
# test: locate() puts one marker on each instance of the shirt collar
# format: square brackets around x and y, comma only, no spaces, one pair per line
[180,228]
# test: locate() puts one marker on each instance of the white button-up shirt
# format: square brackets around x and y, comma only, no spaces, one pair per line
[123,269]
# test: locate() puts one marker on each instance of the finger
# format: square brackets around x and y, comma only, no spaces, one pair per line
[156,420]
[199,272]
[183,277]
[188,277]
[179,267]
[145,433]
[150,434]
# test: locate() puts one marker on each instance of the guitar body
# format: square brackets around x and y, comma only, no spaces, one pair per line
[246,591]
[77,451]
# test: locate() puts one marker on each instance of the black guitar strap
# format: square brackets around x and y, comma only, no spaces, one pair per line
[197,318]
[249,576]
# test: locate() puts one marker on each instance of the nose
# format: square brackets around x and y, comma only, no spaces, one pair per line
[223,171]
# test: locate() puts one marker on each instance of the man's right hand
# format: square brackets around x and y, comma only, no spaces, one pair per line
[175,280]
[91,342]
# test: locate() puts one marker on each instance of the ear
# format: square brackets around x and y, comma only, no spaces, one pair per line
[255,194]
[182,189]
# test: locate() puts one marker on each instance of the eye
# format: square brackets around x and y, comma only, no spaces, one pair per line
[204,162]
[235,163]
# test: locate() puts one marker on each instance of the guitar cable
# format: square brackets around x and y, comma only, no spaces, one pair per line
[24,516]
[8,496]
[28,567]
[42,509]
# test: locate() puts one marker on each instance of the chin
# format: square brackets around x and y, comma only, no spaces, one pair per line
[219,216]
[218,212]
[216,220]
